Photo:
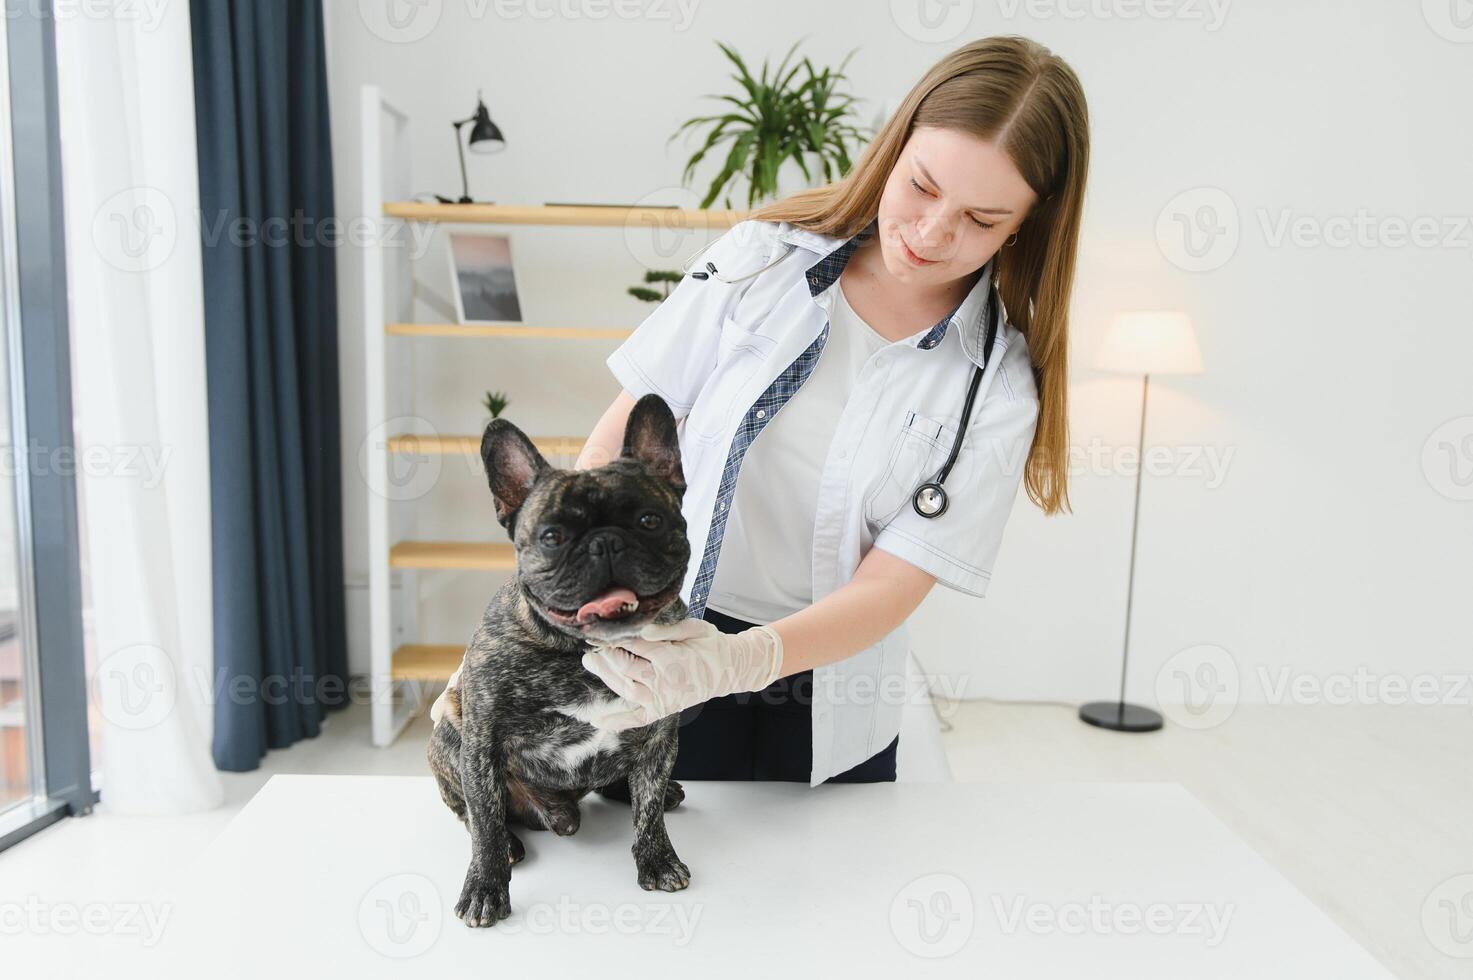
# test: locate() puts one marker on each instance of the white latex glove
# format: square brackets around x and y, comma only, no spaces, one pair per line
[671,667]
[442,703]
[443,706]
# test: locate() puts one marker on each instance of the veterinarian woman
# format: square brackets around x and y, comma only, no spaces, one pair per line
[821,369]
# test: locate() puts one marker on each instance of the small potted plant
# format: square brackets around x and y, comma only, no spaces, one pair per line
[777,118]
[495,403]
[663,276]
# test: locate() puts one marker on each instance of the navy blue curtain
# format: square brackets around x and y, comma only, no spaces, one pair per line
[266,202]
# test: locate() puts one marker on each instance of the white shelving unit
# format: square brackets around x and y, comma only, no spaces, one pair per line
[404,674]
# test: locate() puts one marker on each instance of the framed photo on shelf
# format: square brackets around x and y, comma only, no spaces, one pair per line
[484,278]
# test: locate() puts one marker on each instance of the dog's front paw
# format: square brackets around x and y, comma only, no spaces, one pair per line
[483,901]
[665,872]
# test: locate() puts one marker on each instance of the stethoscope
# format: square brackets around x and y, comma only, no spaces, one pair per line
[710,270]
[930,498]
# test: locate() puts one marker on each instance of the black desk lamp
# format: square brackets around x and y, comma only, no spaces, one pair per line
[485,138]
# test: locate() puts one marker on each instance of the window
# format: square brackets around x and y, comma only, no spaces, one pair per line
[45,768]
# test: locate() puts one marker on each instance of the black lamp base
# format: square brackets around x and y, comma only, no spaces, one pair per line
[1118,716]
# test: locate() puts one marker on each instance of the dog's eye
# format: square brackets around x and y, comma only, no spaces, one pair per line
[649,520]
[552,537]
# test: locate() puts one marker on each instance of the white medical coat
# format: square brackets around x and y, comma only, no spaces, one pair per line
[726,356]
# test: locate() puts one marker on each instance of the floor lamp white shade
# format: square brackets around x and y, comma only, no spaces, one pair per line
[1143,342]
[1150,342]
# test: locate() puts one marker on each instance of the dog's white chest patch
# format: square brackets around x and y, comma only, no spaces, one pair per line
[570,755]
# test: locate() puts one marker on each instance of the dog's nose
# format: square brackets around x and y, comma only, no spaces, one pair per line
[609,542]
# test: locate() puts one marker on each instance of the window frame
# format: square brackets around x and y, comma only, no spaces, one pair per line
[33,262]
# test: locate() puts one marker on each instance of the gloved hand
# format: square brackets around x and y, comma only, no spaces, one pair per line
[443,704]
[671,667]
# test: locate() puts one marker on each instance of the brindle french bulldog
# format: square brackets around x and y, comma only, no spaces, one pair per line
[601,553]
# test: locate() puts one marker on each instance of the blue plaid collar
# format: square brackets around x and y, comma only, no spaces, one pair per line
[835,256]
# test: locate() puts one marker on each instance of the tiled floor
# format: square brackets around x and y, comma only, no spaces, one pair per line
[1365,810]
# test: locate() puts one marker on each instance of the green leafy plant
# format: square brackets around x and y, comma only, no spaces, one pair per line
[827,128]
[495,402]
[777,118]
[664,276]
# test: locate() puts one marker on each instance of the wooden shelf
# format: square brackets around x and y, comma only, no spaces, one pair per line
[471,445]
[426,661]
[513,330]
[483,556]
[384,151]
[582,217]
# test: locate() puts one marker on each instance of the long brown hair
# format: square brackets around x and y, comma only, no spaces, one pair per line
[1017,93]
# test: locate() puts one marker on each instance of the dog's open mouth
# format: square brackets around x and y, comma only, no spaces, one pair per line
[618,602]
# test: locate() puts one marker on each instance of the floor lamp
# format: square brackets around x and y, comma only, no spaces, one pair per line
[1144,343]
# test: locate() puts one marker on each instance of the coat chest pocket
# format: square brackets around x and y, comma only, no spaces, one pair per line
[740,353]
[917,452]
[736,337]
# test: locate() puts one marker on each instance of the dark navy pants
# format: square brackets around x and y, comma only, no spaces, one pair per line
[764,735]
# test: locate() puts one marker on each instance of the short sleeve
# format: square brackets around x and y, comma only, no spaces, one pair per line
[960,547]
[673,352]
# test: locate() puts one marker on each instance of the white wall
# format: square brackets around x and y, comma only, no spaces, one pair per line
[1326,544]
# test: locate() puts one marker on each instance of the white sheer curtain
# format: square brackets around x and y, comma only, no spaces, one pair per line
[134,285]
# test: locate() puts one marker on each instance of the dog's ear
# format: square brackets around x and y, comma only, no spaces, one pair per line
[650,437]
[513,466]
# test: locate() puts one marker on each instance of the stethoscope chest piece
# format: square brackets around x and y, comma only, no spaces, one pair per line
[929,500]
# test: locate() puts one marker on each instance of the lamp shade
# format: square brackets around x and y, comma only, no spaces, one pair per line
[1150,342]
[485,135]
